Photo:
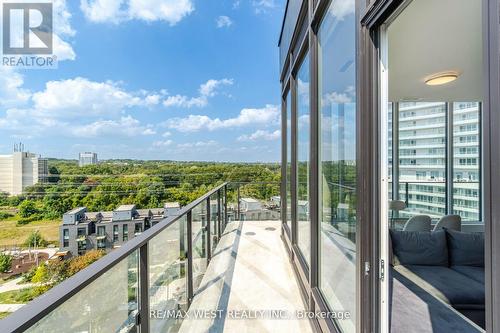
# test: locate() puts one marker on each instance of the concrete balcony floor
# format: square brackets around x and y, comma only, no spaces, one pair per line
[249,272]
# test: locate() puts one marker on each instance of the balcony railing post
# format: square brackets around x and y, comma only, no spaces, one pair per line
[144,289]
[239,197]
[209,231]
[219,215]
[190,258]
[407,190]
[225,206]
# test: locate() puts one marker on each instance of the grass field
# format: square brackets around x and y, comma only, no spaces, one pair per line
[11,234]
[21,296]
[4,314]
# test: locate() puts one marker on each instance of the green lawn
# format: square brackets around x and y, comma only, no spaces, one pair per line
[12,234]
[18,296]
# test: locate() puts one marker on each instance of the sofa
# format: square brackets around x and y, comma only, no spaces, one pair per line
[447,264]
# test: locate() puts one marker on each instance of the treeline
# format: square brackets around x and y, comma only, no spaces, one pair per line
[148,184]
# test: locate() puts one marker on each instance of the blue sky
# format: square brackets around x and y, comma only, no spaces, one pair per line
[152,79]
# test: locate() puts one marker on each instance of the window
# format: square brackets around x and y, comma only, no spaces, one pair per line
[138,228]
[101,237]
[466,165]
[303,163]
[428,164]
[115,233]
[65,237]
[125,232]
[81,231]
[337,161]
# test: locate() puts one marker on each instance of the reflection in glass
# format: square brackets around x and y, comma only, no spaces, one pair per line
[108,304]
[466,161]
[214,220]
[289,161]
[167,275]
[199,236]
[303,163]
[337,81]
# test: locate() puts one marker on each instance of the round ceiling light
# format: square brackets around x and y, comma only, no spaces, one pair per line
[441,78]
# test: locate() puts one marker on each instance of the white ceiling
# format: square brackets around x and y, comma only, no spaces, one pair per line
[433,36]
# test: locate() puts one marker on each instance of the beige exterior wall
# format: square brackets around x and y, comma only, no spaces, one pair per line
[20,170]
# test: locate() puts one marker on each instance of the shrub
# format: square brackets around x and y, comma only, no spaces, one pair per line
[5,215]
[28,276]
[27,209]
[24,221]
[76,264]
[35,239]
[41,274]
[5,262]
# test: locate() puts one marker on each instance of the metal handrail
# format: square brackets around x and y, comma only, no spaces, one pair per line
[37,309]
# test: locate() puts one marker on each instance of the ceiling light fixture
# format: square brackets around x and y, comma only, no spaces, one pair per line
[441,78]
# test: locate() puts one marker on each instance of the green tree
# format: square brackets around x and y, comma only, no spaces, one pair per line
[54,175]
[5,262]
[27,209]
[35,239]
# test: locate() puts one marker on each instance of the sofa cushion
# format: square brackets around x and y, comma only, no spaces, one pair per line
[475,273]
[465,248]
[419,248]
[454,288]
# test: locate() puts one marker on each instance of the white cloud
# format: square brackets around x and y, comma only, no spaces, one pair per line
[339,98]
[62,31]
[262,6]
[165,143]
[11,91]
[103,10]
[116,11]
[166,134]
[206,90]
[63,50]
[342,8]
[223,21]
[261,135]
[199,144]
[82,97]
[125,126]
[268,115]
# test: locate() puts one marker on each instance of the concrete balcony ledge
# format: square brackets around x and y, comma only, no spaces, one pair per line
[249,285]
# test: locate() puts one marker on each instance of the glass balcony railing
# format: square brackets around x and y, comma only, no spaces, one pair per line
[433,197]
[135,287]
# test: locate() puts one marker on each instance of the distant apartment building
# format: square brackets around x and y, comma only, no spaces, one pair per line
[82,231]
[87,158]
[253,209]
[20,170]
[423,155]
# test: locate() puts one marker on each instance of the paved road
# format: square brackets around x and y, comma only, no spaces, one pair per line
[12,285]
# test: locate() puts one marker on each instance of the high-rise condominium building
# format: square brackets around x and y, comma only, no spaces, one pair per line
[437,139]
[87,158]
[20,170]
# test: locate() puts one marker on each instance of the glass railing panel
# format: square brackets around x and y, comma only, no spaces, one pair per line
[421,198]
[232,202]
[199,239]
[260,202]
[223,209]
[108,304]
[214,221]
[167,277]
